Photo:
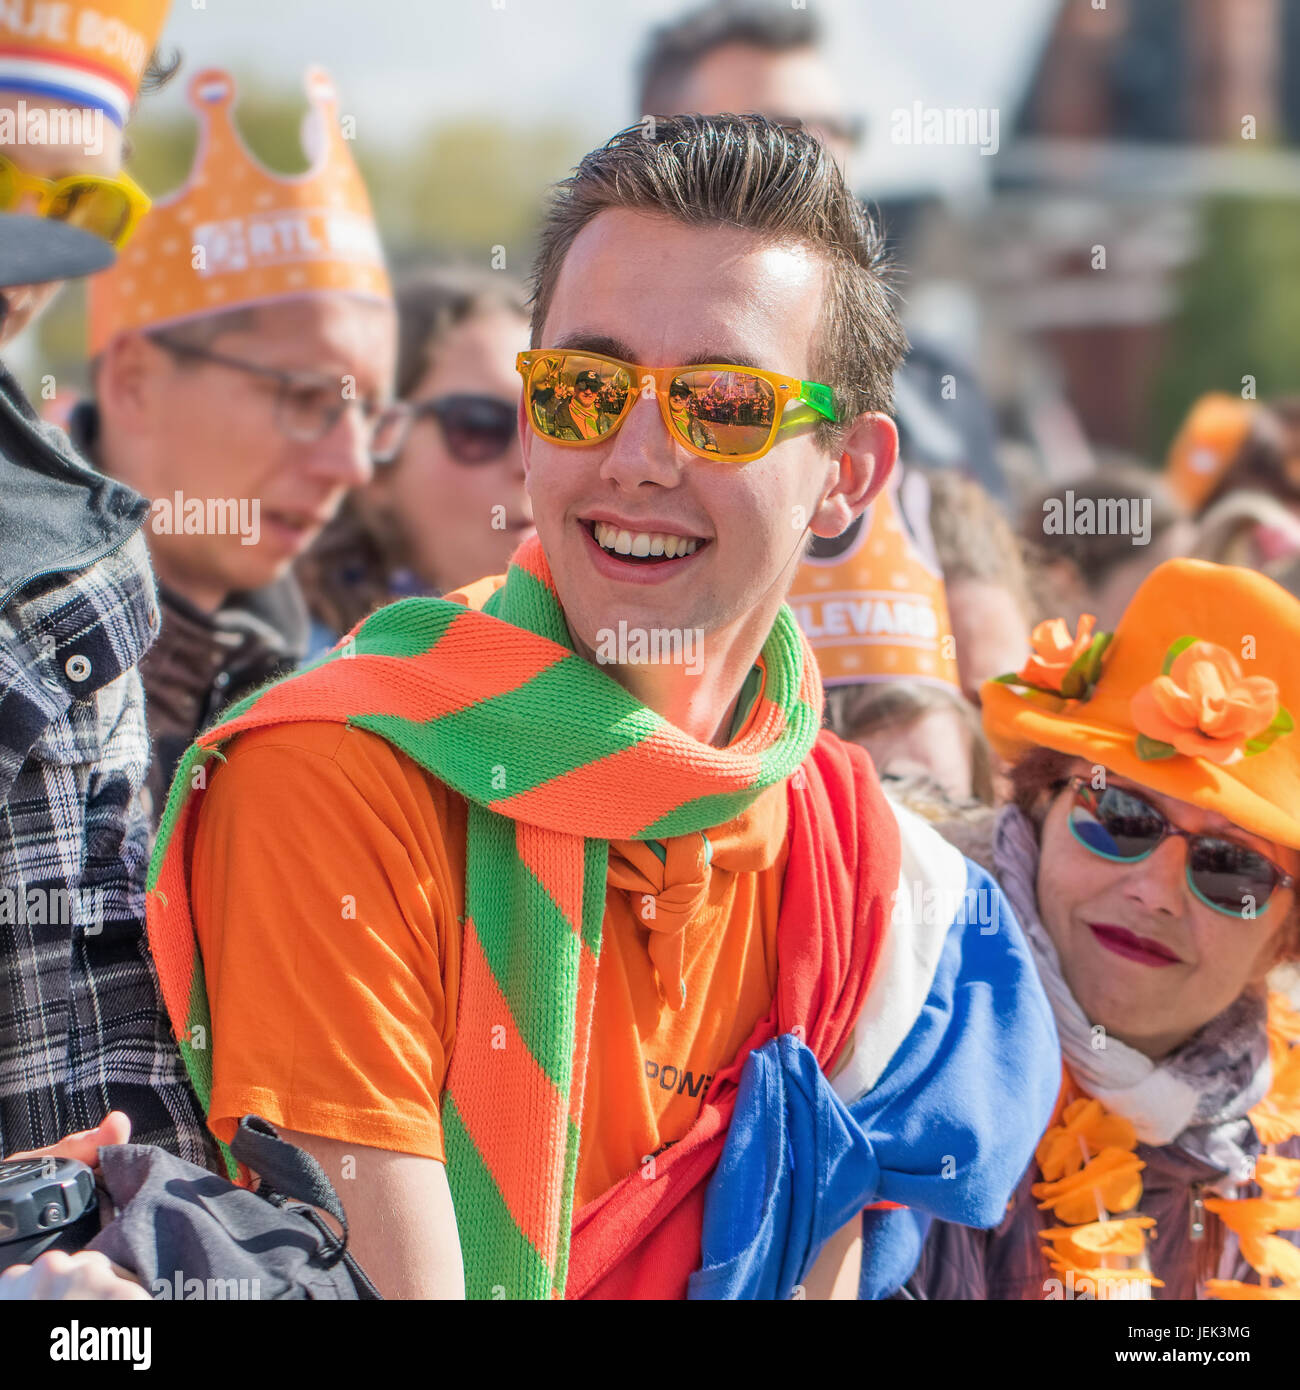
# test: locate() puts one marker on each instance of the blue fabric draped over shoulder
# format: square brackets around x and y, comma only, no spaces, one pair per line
[946,1132]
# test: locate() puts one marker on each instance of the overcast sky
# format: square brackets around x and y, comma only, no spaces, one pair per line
[400,64]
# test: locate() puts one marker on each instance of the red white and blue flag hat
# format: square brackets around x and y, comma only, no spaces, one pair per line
[89,53]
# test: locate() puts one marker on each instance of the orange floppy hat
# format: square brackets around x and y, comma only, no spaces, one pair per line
[1189,696]
[237,234]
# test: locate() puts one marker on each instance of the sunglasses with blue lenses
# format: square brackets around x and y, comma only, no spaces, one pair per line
[1122,827]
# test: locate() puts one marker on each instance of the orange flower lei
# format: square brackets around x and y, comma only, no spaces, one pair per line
[1255,1219]
[1090,1170]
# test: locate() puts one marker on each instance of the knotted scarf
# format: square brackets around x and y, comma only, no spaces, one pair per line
[555,759]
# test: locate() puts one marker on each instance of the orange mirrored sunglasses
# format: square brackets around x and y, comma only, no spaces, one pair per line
[716,411]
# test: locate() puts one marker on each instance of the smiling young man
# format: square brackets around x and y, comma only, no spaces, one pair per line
[540,950]
[244,350]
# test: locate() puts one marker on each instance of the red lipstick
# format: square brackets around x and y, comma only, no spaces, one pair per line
[1131,946]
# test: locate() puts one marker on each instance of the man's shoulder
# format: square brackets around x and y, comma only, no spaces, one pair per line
[297,750]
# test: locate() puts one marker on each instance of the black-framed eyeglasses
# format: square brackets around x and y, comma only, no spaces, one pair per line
[1118,825]
[475,428]
[307,404]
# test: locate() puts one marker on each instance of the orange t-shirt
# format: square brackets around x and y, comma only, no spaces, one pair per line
[328,884]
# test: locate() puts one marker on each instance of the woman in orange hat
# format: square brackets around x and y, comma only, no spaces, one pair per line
[1152,855]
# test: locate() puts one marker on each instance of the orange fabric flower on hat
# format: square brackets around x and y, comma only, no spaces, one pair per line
[1203,707]
[1055,651]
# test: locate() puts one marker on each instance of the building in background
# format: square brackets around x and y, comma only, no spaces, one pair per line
[1144,209]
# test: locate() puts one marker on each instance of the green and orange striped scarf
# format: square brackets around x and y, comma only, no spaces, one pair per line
[555,759]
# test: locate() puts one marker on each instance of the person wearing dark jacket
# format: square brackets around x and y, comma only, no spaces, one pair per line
[82,1032]
[1152,856]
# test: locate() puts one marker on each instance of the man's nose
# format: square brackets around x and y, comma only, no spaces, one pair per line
[342,454]
[642,451]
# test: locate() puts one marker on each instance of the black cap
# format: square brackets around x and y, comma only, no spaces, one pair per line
[35,250]
[586,381]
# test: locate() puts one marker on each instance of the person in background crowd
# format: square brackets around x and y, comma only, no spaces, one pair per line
[243,395]
[1152,854]
[448,502]
[641,899]
[876,616]
[984,578]
[82,1031]
[768,58]
[1236,464]
[1122,522]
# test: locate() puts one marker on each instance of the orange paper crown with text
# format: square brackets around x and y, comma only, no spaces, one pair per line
[89,53]
[875,608]
[237,234]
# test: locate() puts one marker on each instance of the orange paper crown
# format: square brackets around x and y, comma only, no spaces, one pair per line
[236,234]
[876,609]
[83,52]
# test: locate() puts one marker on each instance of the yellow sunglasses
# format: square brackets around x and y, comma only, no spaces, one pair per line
[110,208]
[716,411]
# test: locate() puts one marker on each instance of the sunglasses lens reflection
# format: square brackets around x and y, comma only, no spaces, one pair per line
[726,413]
[576,399]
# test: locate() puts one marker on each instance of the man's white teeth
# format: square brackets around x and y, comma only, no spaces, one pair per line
[642,542]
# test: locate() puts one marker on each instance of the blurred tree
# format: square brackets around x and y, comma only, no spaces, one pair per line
[465,187]
[1238,313]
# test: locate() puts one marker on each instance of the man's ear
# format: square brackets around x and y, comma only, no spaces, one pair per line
[867,457]
[127,381]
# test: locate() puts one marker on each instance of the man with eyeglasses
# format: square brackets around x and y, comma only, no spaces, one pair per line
[245,399]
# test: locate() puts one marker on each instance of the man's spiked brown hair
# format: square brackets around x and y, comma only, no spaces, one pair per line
[781,184]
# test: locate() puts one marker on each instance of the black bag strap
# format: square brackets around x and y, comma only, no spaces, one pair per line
[287,1172]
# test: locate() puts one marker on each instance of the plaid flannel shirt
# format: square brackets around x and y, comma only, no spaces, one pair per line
[82,1027]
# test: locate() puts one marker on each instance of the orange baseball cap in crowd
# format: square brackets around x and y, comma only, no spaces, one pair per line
[872,603]
[1192,695]
[236,234]
[88,53]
